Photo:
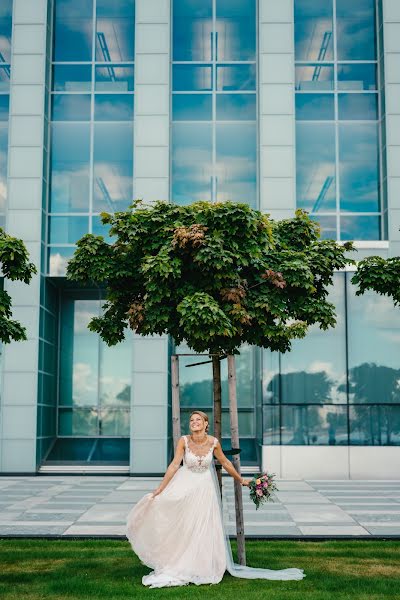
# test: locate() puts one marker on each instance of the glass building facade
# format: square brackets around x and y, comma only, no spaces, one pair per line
[281,105]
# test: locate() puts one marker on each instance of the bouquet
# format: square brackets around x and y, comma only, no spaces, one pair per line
[261,488]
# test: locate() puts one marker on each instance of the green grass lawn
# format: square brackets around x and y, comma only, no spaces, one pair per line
[108,569]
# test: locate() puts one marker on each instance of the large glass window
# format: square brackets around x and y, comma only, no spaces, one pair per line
[340,386]
[94,389]
[338,116]
[5,73]
[214,135]
[92,101]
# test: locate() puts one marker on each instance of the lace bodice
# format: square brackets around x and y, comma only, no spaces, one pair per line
[195,462]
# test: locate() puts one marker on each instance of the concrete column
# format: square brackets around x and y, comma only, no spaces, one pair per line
[391,42]
[24,220]
[150,368]
[277,113]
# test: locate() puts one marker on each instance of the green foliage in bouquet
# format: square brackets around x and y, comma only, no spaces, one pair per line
[262,487]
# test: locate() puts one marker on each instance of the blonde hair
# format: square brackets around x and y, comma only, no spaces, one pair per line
[202,414]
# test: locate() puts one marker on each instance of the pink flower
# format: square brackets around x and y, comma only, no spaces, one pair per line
[259,492]
[265,485]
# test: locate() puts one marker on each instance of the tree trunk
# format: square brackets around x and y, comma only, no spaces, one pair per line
[216,363]
[233,412]
[176,411]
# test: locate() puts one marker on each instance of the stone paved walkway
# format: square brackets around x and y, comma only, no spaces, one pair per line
[98,506]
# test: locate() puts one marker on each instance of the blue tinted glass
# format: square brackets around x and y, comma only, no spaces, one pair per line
[73,30]
[192,78]
[373,347]
[113,107]
[77,421]
[70,107]
[5,30]
[328,226]
[235,30]
[271,425]
[356,37]
[58,260]
[358,107]
[115,451]
[315,166]
[71,450]
[375,425]
[314,425]
[114,384]
[315,107]
[114,78]
[359,227]
[115,28]
[4,106]
[99,229]
[5,74]
[67,230]
[191,107]
[69,182]
[113,166]
[357,77]
[236,77]
[192,29]
[314,370]
[313,28]
[3,165]
[358,167]
[72,78]
[236,107]
[314,77]
[115,422]
[191,162]
[236,163]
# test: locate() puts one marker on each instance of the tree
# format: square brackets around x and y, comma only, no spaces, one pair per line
[380,275]
[216,275]
[15,265]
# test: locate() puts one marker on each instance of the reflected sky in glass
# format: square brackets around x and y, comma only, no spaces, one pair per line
[375,425]
[357,77]
[236,107]
[356,36]
[114,78]
[113,107]
[58,257]
[192,30]
[69,177]
[328,226]
[315,107]
[191,78]
[72,78]
[235,29]
[314,425]
[5,30]
[236,163]
[5,74]
[358,167]
[360,227]
[192,107]
[70,107]
[73,30]
[236,77]
[313,30]
[4,107]
[191,162]
[314,77]
[66,230]
[315,166]
[358,107]
[115,26]
[113,166]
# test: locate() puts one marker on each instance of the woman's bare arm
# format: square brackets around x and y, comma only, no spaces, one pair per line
[228,466]
[172,467]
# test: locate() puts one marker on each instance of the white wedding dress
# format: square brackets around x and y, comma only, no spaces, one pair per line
[180,532]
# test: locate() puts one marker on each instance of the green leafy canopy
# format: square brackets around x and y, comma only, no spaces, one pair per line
[15,265]
[216,275]
[380,275]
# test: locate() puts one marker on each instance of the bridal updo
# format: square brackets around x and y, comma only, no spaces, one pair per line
[202,414]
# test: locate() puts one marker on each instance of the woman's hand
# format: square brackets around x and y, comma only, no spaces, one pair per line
[156,493]
[245,481]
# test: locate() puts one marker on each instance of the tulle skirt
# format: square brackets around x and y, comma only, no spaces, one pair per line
[179,533]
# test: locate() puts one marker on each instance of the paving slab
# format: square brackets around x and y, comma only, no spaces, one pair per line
[76,505]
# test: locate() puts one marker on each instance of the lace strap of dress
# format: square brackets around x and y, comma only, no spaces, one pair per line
[215,442]
[186,443]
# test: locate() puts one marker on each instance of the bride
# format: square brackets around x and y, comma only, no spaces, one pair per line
[178,529]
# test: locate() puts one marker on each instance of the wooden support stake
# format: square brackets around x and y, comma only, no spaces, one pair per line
[176,411]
